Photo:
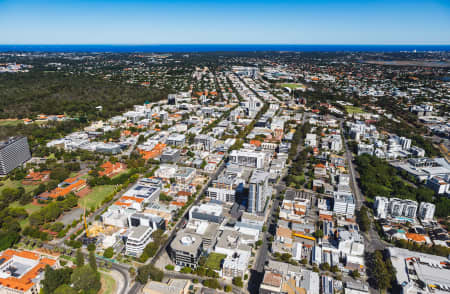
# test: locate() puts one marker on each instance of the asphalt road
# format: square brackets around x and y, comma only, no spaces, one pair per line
[373,241]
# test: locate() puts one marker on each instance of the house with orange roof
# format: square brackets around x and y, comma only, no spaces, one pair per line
[256,143]
[34,178]
[111,169]
[155,152]
[74,184]
[21,271]
[417,238]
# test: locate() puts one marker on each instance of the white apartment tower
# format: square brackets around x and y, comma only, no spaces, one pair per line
[258,190]
[426,211]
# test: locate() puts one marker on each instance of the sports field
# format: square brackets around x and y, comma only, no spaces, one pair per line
[292,86]
[96,196]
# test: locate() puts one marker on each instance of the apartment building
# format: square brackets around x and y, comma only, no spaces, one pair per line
[13,153]
[138,238]
[258,191]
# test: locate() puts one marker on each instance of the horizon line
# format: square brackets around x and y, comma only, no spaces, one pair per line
[250,44]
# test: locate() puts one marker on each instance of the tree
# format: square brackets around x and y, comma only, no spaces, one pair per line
[304,261]
[228,288]
[149,271]
[186,270]
[211,283]
[79,258]
[55,278]
[109,252]
[334,269]
[355,274]
[318,234]
[91,247]
[86,279]
[237,281]
[169,267]
[65,289]
[286,257]
[92,260]
[325,266]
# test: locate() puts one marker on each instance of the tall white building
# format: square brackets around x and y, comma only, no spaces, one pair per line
[258,190]
[426,211]
[402,207]
[381,206]
[405,142]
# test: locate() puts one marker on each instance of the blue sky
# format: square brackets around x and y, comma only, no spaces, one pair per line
[222,22]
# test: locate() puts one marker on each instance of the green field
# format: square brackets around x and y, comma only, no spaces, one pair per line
[120,173]
[292,86]
[95,198]
[353,109]
[214,260]
[30,208]
[15,184]
[10,123]
[108,284]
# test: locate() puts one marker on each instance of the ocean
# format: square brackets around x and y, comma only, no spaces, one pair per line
[190,48]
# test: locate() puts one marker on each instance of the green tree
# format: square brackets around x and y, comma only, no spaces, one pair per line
[65,289]
[355,274]
[92,260]
[79,258]
[325,266]
[318,234]
[55,278]
[237,281]
[86,279]
[109,252]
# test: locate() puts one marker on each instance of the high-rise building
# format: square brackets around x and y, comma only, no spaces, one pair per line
[426,211]
[13,153]
[405,142]
[258,190]
[381,206]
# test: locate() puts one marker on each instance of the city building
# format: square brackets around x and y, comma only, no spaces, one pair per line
[137,239]
[247,158]
[22,271]
[211,211]
[173,286]
[258,191]
[426,211]
[381,206]
[13,153]
[344,203]
[185,249]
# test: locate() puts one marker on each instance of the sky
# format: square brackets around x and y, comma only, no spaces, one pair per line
[224,22]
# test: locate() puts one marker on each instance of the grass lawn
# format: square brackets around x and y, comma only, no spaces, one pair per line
[108,284]
[95,198]
[10,122]
[30,208]
[214,260]
[292,86]
[120,173]
[16,184]
[353,109]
